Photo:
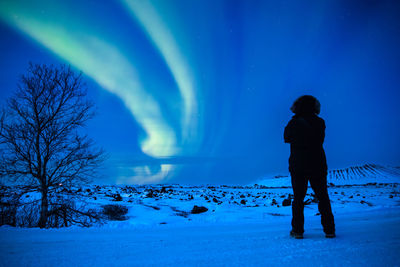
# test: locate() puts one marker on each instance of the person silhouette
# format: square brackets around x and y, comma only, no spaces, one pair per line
[305,133]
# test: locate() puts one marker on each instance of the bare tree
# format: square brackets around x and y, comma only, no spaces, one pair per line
[41,141]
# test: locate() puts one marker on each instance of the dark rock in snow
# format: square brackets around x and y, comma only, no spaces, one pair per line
[198,209]
[274,201]
[163,190]
[117,197]
[286,202]
[365,202]
[150,194]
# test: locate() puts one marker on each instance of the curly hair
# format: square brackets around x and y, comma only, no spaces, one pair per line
[306,105]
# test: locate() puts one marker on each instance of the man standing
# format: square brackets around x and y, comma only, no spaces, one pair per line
[306,132]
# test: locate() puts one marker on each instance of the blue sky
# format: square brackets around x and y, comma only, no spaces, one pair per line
[199,91]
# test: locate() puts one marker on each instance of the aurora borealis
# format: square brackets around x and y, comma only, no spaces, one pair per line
[199,91]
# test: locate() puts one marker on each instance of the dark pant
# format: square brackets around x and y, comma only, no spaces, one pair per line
[319,185]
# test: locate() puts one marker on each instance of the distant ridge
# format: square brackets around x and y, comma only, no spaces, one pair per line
[364,174]
[364,171]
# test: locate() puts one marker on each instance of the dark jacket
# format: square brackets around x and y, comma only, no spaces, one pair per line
[306,134]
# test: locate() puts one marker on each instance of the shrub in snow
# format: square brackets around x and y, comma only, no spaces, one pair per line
[115,212]
[17,209]
[28,215]
[8,213]
[67,213]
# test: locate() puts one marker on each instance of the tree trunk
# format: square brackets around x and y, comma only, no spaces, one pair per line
[44,210]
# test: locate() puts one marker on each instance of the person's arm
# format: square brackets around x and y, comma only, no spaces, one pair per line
[287,134]
[323,131]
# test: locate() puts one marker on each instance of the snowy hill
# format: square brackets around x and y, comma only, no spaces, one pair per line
[356,175]
[367,173]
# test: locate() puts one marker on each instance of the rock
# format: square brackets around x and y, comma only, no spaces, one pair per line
[274,201]
[117,197]
[243,202]
[365,202]
[286,202]
[198,209]
[242,196]
[150,194]
[215,200]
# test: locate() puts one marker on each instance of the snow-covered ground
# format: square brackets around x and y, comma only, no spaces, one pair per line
[368,238]
[244,225]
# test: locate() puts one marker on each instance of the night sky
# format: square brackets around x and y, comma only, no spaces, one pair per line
[199,91]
